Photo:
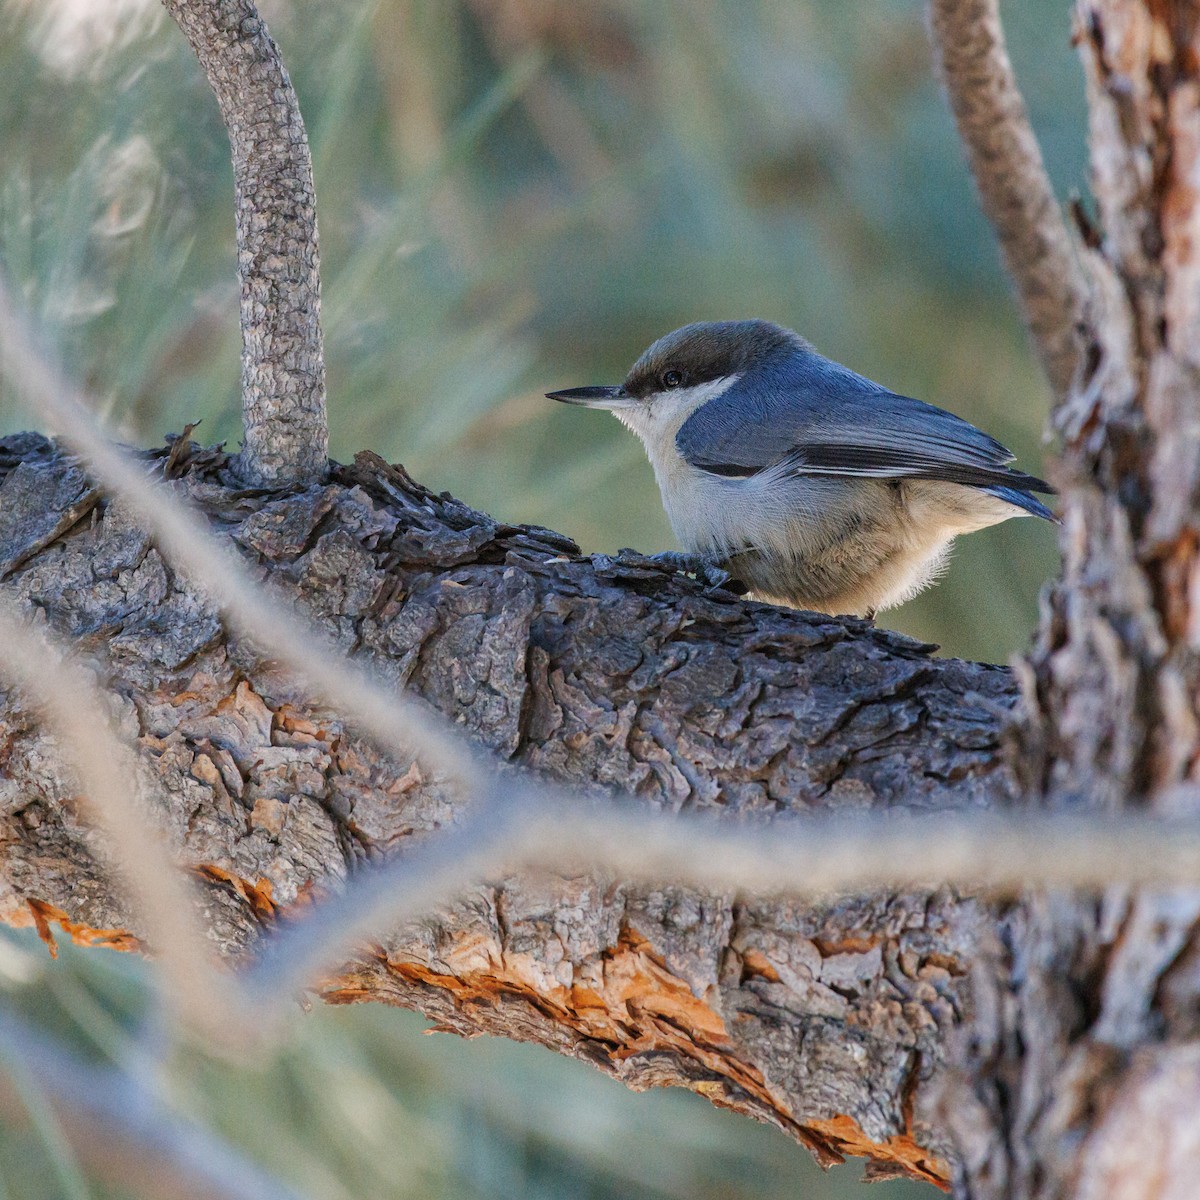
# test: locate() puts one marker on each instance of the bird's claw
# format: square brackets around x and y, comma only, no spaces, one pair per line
[710,574]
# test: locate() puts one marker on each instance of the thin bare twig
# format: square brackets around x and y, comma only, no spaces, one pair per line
[109,772]
[1014,189]
[523,828]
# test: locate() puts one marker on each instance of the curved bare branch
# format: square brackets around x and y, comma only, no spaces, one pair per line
[283,365]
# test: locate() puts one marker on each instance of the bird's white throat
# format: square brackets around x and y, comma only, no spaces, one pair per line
[659,417]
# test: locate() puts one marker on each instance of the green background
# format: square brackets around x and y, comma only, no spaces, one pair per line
[517,195]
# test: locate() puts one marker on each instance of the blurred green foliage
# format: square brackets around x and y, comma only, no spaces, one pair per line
[515,195]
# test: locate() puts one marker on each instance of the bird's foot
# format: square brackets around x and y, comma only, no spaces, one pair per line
[706,571]
[709,573]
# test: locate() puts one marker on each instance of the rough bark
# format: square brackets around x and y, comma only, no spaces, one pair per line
[285,428]
[1084,1079]
[829,1020]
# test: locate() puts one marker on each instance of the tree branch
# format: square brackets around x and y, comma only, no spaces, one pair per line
[283,365]
[1014,189]
[274,797]
[625,676]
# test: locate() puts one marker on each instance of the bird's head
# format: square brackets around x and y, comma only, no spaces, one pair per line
[685,368]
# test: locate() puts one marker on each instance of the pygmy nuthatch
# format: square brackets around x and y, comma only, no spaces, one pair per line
[810,484]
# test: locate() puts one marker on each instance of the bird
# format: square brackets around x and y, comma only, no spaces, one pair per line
[810,485]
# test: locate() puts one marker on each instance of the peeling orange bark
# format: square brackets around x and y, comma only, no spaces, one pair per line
[41,916]
[257,894]
[901,1152]
[628,1003]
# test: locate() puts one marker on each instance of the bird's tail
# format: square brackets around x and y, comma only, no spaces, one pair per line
[1023,500]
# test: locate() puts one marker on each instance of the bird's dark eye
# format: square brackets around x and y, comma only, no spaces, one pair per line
[672,379]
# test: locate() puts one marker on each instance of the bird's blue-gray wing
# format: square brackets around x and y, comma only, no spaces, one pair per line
[812,416]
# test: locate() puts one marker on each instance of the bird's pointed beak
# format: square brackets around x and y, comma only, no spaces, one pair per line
[611,396]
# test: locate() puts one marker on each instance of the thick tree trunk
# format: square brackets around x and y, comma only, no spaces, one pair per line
[829,1021]
[1086,1075]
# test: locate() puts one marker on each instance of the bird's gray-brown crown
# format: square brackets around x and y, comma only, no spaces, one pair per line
[707,350]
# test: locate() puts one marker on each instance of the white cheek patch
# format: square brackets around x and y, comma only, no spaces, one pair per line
[662,413]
